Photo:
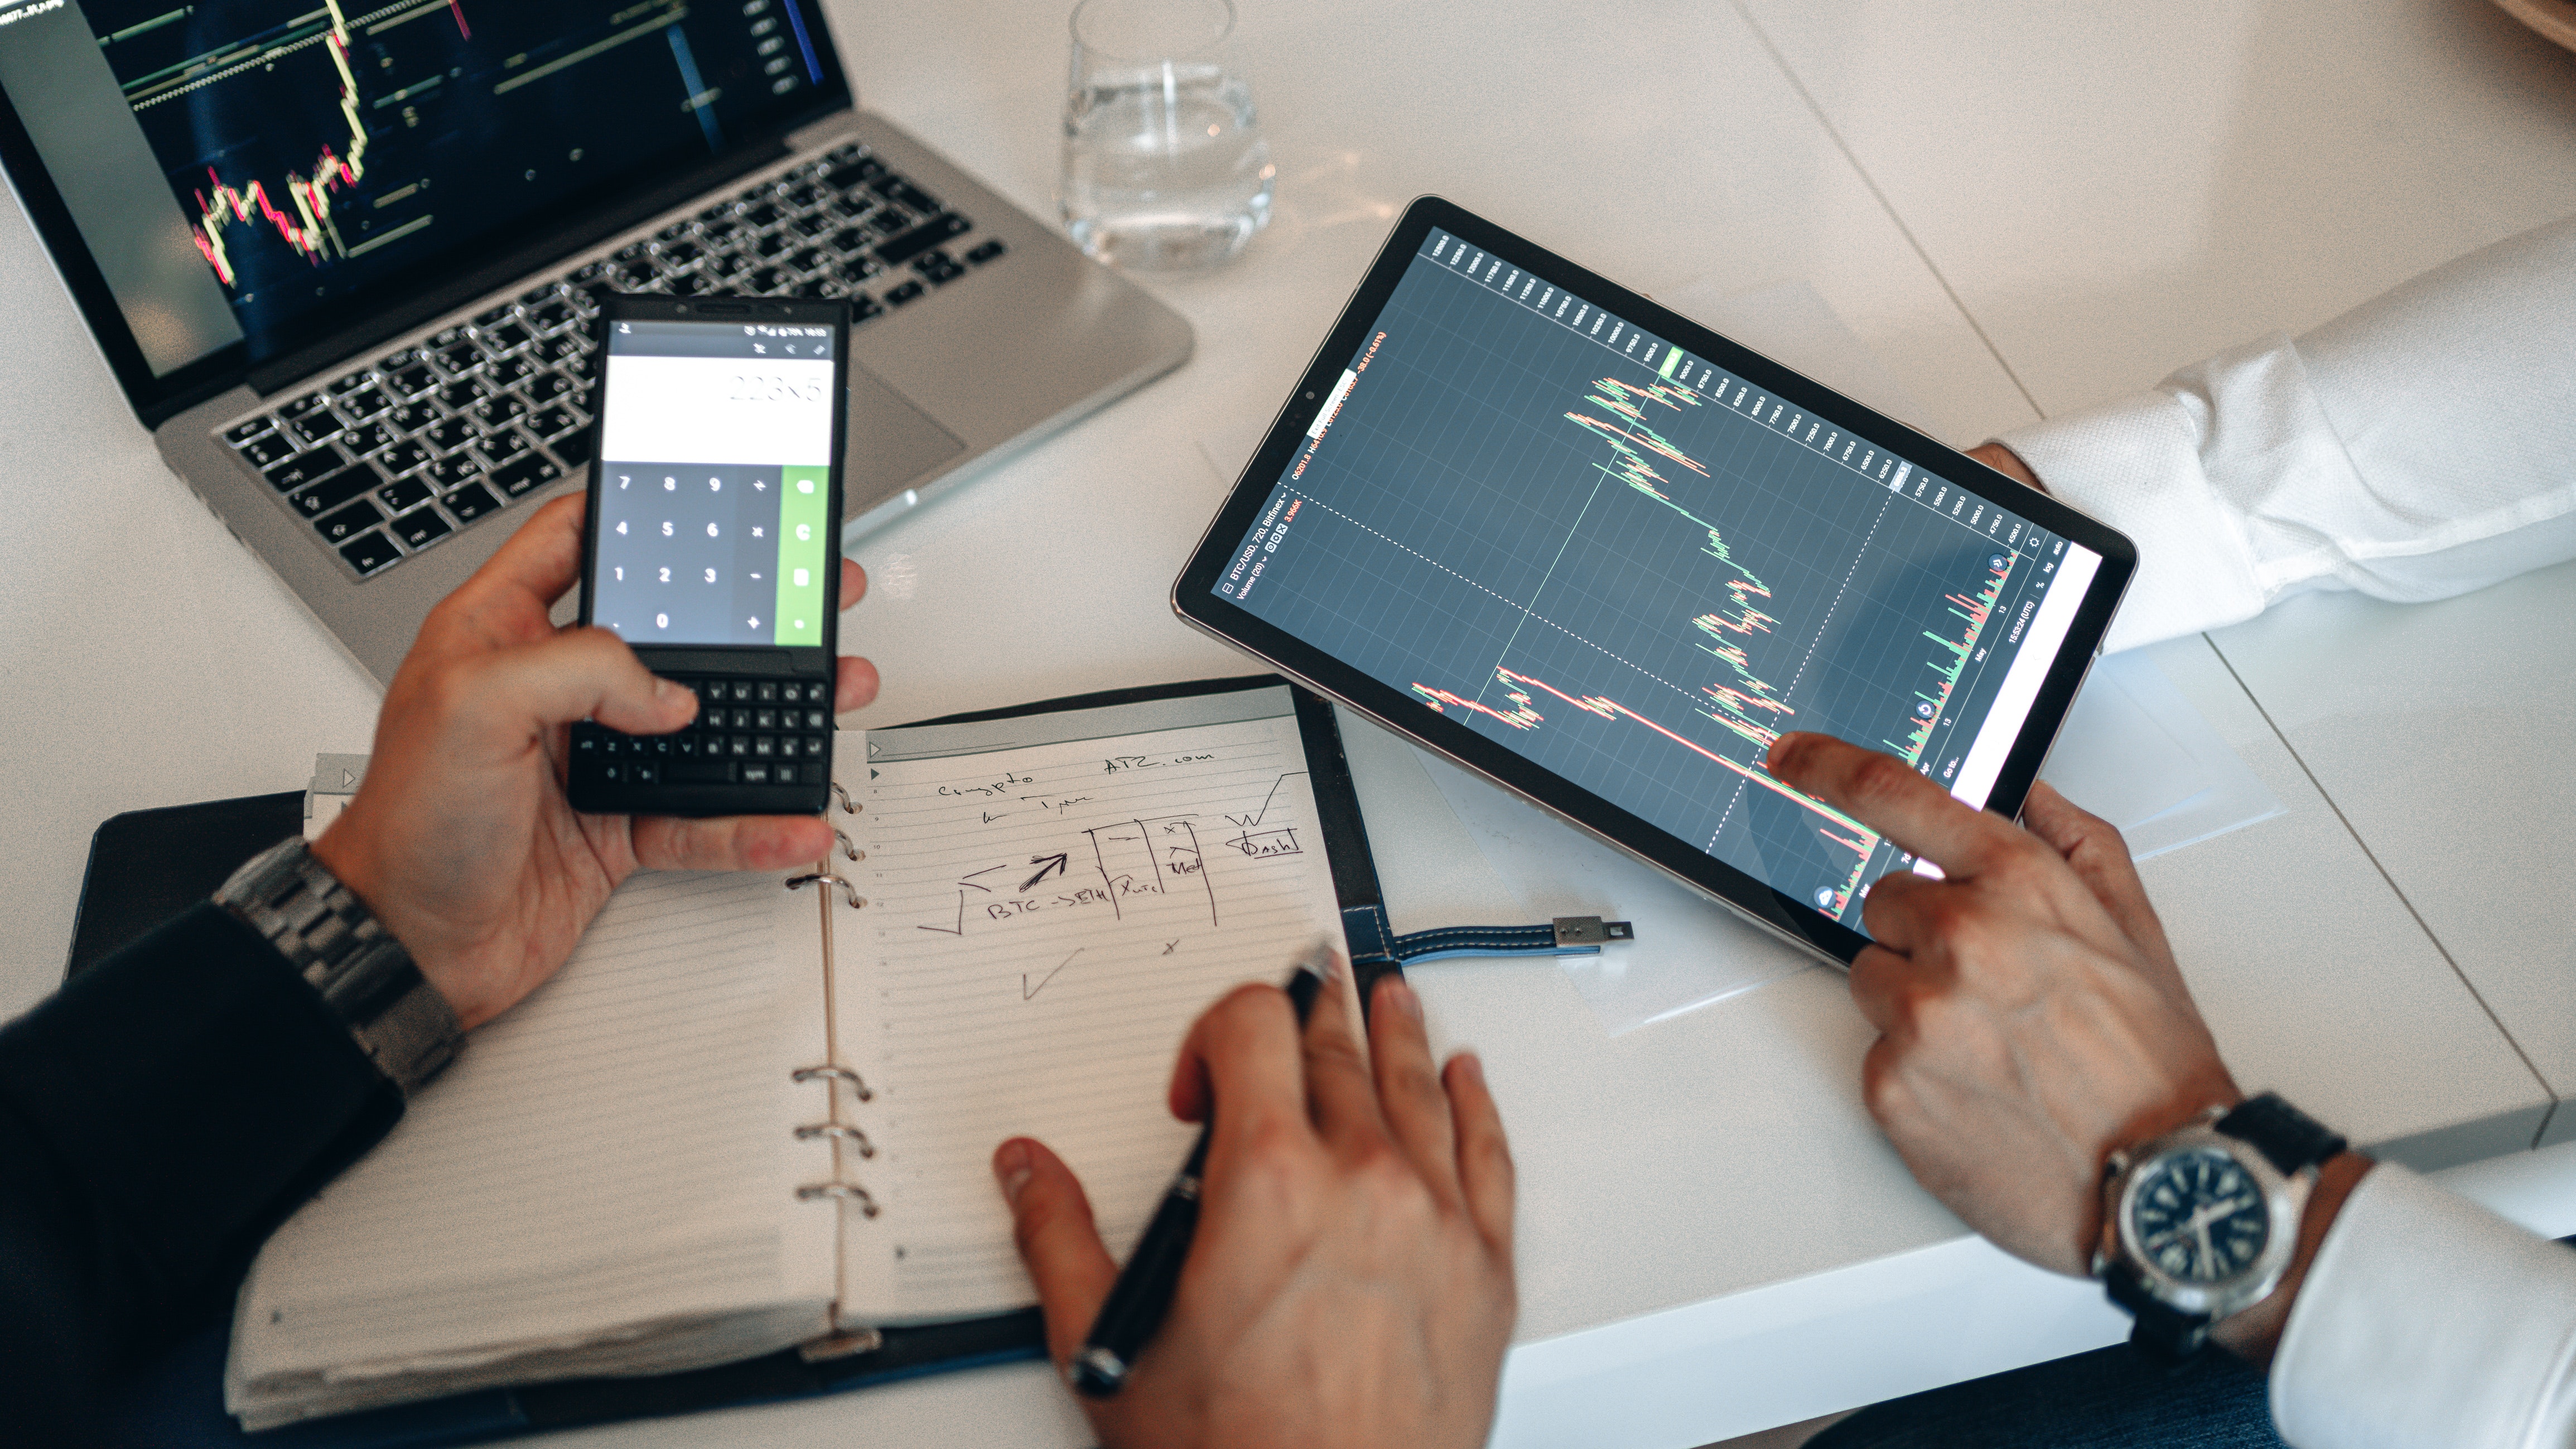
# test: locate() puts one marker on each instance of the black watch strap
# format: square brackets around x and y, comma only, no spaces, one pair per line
[2163,1333]
[2289,1137]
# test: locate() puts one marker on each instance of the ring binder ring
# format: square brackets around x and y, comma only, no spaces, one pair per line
[845,1191]
[799,882]
[852,851]
[848,805]
[835,1073]
[814,1131]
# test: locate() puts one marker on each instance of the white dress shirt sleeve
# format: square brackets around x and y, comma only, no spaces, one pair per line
[2428,1322]
[2420,446]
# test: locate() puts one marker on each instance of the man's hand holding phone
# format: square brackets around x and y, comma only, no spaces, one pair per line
[461,840]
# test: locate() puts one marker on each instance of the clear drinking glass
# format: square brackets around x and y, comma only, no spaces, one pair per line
[1164,165]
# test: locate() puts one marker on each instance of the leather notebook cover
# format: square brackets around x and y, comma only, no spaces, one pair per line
[146,866]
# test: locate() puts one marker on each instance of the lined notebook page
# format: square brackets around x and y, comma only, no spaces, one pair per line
[1052,901]
[613,1151]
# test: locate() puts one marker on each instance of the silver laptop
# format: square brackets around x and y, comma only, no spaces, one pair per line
[344,263]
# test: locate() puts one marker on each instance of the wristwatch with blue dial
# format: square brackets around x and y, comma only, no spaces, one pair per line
[2202,1223]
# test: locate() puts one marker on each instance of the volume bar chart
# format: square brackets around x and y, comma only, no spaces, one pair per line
[1973,612]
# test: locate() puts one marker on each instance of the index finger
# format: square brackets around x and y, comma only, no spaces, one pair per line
[1409,1094]
[1241,1068]
[1880,792]
[2100,858]
[1339,1089]
[543,557]
[739,842]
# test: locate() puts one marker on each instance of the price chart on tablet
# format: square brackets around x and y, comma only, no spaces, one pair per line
[1637,570]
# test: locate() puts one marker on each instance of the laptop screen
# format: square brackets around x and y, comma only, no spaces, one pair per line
[235,169]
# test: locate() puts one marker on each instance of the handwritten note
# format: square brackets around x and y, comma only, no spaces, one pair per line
[1051,902]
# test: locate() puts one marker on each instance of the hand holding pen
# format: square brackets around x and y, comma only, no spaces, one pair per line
[1141,1297]
[1349,1281]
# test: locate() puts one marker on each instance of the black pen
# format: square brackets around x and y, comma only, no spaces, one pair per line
[1143,1293]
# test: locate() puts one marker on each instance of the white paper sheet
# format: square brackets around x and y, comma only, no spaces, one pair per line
[1052,900]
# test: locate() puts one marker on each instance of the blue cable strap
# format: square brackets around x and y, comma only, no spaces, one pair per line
[1371,941]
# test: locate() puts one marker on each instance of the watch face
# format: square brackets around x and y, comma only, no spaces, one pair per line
[2199,1216]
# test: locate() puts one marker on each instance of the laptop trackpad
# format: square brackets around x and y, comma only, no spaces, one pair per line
[892,444]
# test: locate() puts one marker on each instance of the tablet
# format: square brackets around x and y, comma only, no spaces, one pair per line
[1604,556]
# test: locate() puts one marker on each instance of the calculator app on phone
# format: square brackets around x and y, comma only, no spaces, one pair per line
[715,523]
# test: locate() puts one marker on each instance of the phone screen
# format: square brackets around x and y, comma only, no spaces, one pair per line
[715,490]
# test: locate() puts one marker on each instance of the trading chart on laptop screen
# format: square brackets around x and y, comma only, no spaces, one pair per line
[1637,570]
[316,148]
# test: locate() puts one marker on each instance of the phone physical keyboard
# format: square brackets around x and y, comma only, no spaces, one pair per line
[748,732]
[424,441]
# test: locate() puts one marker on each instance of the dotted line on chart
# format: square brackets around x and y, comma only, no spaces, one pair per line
[1741,785]
[1785,694]
[1524,608]
[1838,601]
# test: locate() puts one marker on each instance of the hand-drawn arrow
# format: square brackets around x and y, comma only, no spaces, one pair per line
[1047,865]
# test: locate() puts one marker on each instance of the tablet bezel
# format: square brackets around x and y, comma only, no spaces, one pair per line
[1195,599]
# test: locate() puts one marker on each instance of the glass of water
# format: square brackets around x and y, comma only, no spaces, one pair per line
[1164,165]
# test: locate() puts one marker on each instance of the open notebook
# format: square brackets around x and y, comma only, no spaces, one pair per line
[748,1117]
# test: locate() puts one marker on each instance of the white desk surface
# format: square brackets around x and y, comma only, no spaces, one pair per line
[2441,732]
[1714,1238]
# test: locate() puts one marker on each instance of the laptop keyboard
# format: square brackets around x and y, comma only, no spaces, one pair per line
[768,732]
[434,438]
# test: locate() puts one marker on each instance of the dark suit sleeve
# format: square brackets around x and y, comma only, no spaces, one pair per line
[158,1117]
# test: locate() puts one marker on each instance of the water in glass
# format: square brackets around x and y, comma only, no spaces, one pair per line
[1164,165]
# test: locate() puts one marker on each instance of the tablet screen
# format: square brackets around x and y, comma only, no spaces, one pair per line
[1636,570]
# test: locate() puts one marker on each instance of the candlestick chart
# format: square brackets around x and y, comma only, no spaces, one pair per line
[1972,611]
[187,74]
[309,229]
[317,149]
[1639,577]
[1743,703]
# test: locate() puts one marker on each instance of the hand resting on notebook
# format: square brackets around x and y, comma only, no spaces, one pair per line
[1351,1280]
[460,839]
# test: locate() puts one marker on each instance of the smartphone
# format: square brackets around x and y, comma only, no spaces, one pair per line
[712,546]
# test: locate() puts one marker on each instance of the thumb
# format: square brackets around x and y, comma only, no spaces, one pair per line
[590,674]
[1051,1220]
